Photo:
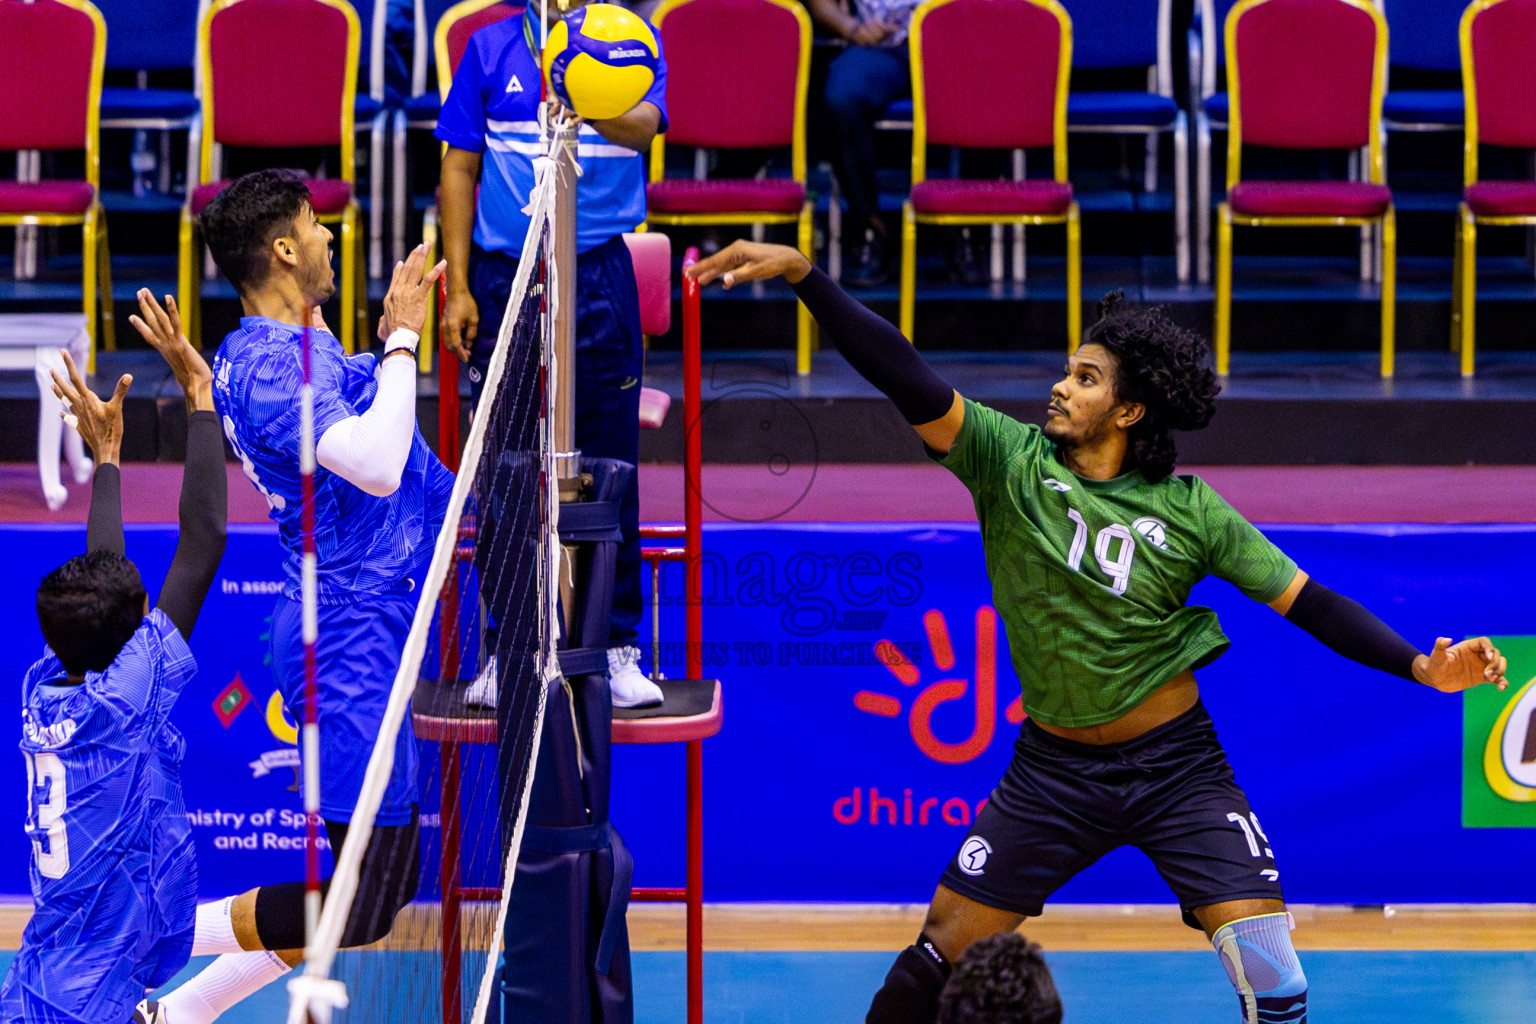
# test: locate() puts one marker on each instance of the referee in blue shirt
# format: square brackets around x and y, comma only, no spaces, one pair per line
[490,123]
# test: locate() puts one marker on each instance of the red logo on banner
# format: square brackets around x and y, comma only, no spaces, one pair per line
[232,700]
[920,717]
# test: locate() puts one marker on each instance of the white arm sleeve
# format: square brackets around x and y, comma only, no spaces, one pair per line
[369,451]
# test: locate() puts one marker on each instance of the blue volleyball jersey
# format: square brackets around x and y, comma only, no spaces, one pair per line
[113,873]
[364,544]
[493,109]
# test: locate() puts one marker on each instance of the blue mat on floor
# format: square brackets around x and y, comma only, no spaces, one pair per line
[1400,987]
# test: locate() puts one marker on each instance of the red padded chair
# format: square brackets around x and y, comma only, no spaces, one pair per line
[721,95]
[1305,74]
[249,100]
[52,53]
[1025,47]
[1498,65]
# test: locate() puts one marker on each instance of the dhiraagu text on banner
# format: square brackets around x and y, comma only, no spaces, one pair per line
[1498,774]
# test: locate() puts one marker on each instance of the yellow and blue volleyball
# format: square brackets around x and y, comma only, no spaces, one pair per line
[600,60]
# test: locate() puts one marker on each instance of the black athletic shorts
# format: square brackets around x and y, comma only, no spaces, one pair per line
[1062,805]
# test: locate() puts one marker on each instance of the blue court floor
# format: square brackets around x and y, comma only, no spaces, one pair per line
[1429,987]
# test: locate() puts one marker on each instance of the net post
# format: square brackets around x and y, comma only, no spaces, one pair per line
[448,452]
[693,547]
[563,257]
[693,541]
[447,393]
[448,875]
[309,636]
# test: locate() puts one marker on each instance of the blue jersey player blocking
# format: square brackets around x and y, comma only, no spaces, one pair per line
[490,123]
[380,495]
[113,874]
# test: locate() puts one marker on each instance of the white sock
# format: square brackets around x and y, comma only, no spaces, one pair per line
[221,985]
[215,931]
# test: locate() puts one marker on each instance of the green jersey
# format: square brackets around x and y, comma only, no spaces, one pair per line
[1091,577]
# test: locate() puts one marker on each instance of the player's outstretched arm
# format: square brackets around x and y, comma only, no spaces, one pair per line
[204,487]
[101,427]
[1348,628]
[369,451]
[872,346]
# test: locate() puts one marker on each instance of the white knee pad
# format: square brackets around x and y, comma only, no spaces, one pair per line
[1262,966]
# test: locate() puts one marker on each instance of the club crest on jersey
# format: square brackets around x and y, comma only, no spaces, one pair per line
[1056,485]
[972,858]
[1154,530]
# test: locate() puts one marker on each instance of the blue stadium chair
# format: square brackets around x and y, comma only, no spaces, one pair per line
[152,36]
[1133,34]
[1425,36]
[1207,65]
[370,111]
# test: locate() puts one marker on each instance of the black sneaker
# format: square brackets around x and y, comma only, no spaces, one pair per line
[964,265]
[868,268]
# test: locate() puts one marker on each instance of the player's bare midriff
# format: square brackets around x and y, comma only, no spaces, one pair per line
[1163,704]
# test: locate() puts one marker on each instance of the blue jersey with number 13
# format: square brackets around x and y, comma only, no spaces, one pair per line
[113,873]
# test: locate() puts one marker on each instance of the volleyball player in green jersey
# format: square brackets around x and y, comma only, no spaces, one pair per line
[1093,545]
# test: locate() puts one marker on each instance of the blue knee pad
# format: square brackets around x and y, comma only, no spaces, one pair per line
[1261,964]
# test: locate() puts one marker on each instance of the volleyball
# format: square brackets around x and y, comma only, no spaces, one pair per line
[600,60]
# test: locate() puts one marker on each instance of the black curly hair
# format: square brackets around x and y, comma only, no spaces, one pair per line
[1001,979]
[1163,366]
[243,221]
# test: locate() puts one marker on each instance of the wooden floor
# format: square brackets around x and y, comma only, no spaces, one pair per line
[1080,927]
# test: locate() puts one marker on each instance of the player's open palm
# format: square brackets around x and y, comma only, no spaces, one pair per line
[1451,668]
[410,291]
[100,423]
[751,261]
[161,327]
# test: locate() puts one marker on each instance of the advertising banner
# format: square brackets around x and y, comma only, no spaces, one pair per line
[1498,775]
[871,705]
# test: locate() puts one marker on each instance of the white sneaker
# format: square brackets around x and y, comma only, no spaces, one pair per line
[149,1012]
[482,692]
[630,687]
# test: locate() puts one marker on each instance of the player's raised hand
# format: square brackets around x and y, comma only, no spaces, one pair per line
[751,261]
[1451,668]
[100,423]
[410,290]
[161,327]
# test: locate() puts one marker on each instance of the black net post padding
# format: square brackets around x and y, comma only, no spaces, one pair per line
[566,941]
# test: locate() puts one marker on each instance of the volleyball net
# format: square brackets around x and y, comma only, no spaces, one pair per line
[474,677]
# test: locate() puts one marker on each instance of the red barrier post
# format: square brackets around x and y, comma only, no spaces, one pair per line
[693,544]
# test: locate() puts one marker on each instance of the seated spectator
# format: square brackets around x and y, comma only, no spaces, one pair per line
[862,81]
[870,75]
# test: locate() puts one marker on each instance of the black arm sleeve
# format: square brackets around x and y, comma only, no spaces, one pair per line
[104,527]
[877,350]
[204,512]
[1346,627]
